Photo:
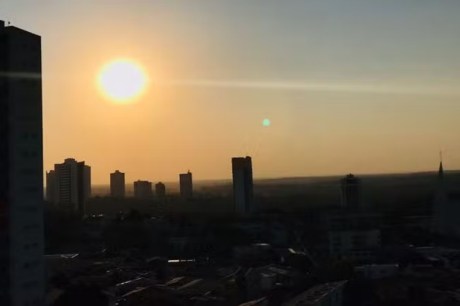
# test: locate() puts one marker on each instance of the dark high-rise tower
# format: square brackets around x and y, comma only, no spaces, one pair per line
[351,191]
[242,184]
[143,190]
[160,190]
[51,186]
[21,168]
[117,184]
[441,171]
[186,185]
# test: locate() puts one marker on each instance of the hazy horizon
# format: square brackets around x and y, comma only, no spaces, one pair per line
[359,86]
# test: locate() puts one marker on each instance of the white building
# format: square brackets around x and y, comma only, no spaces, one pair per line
[21,169]
[72,185]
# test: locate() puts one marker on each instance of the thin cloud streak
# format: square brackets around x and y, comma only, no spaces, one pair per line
[20,75]
[315,86]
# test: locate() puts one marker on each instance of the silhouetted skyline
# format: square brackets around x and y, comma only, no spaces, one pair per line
[297,89]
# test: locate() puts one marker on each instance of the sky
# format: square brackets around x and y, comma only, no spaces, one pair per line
[348,86]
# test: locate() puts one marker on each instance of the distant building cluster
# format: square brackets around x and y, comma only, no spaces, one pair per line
[68,186]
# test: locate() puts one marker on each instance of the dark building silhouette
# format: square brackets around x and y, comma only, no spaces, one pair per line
[117,184]
[351,191]
[242,184]
[51,186]
[160,190]
[72,185]
[446,208]
[143,190]
[21,168]
[354,235]
[186,185]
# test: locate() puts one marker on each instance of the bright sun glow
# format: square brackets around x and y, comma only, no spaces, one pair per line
[122,80]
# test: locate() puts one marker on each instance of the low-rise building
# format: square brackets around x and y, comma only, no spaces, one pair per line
[358,245]
[328,294]
[377,271]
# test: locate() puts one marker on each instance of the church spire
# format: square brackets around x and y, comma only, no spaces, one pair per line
[441,169]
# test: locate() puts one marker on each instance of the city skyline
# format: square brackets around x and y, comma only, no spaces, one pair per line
[361,90]
[324,117]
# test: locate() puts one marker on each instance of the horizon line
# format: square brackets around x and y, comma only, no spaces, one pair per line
[304,177]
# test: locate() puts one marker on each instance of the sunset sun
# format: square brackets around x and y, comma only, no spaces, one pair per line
[122,81]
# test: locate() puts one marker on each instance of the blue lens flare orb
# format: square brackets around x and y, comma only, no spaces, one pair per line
[266,122]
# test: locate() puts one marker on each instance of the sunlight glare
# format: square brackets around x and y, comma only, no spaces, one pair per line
[122,80]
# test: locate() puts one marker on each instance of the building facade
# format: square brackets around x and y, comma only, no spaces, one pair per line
[186,185]
[117,184]
[51,186]
[160,190]
[357,245]
[72,185]
[328,294]
[350,187]
[21,169]
[353,235]
[143,190]
[446,208]
[243,184]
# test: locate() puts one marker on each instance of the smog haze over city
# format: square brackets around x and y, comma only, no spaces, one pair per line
[229,153]
[362,86]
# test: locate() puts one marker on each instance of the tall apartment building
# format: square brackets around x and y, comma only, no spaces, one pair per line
[350,187]
[186,185]
[242,184]
[160,190]
[117,184]
[71,186]
[21,169]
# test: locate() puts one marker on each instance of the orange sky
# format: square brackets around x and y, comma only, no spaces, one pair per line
[366,88]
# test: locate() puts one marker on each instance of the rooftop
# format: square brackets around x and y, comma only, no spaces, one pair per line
[315,293]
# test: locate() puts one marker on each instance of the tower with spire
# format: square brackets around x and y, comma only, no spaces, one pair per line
[446,207]
[441,169]
[439,202]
